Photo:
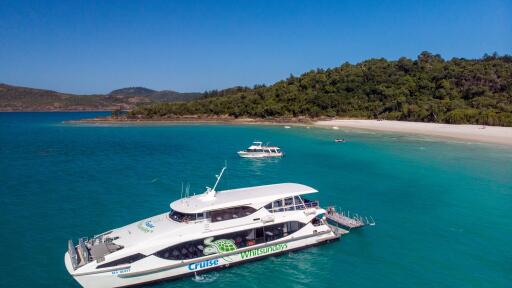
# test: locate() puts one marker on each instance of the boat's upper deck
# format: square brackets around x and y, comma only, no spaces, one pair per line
[259,145]
[239,197]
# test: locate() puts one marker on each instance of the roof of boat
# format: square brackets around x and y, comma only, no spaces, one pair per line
[259,144]
[239,197]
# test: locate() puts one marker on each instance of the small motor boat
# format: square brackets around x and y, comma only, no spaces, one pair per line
[339,140]
[256,150]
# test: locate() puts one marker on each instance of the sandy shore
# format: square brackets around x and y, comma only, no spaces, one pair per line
[474,133]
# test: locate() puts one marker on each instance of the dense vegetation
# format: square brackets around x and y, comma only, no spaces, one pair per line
[14,98]
[427,89]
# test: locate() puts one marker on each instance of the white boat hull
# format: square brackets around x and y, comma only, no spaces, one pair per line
[153,269]
[244,154]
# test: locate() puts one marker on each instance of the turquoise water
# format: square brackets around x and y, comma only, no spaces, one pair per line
[443,209]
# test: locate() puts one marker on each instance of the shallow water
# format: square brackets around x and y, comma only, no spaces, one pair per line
[443,208]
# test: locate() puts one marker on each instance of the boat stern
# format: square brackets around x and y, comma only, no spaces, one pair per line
[68,263]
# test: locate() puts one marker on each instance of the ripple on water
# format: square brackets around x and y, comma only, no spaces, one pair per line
[205,278]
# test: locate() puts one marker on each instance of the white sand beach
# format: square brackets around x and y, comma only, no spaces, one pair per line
[476,133]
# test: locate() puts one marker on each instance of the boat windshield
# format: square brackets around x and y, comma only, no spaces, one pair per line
[182,217]
[254,150]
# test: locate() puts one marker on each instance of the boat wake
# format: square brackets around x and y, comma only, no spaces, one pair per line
[205,278]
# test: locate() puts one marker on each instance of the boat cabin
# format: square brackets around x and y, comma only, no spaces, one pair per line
[239,203]
[257,147]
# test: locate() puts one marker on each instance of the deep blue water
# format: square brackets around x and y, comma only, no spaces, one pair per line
[443,209]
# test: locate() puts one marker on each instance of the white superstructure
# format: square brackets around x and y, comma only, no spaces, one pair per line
[209,231]
[257,150]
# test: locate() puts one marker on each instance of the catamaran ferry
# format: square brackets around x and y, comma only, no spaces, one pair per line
[204,232]
[256,150]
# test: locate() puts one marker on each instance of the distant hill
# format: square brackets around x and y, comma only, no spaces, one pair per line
[15,98]
[132,91]
[157,96]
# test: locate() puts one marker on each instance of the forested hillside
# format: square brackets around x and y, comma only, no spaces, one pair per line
[428,89]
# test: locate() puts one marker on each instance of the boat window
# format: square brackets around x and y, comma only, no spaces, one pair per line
[278,210]
[187,250]
[277,206]
[231,213]
[310,204]
[230,241]
[125,260]
[277,231]
[269,207]
[182,217]
[286,204]
[298,203]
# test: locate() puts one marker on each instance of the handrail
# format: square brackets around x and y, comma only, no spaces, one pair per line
[312,204]
[84,250]
[72,254]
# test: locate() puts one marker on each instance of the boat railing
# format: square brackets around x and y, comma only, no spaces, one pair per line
[83,250]
[345,219]
[311,203]
[72,254]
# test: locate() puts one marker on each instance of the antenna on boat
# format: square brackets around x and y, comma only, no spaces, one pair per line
[210,192]
[218,178]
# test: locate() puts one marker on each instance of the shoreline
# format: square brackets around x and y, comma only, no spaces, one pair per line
[53,111]
[197,120]
[474,133]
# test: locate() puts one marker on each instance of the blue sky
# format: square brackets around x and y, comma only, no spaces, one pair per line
[94,47]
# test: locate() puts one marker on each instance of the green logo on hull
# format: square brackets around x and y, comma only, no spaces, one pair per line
[219,246]
[263,251]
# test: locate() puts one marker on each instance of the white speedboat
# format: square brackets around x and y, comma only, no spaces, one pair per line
[200,233]
[256,150]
